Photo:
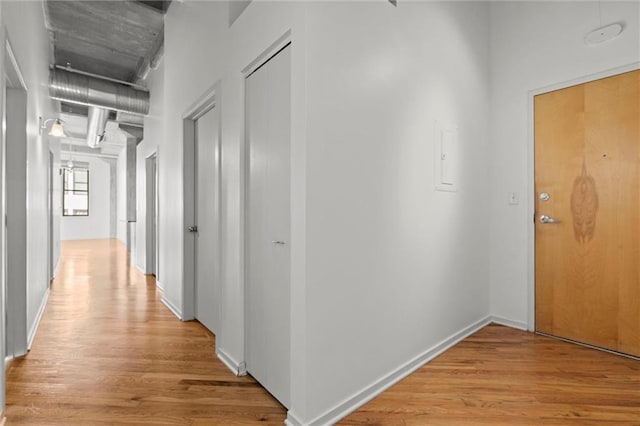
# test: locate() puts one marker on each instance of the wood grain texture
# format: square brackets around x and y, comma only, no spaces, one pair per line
[502,376]
[587,156]
[109,352]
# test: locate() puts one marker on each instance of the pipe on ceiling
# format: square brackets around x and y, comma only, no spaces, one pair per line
[96,126]
[100,95]
[82,89]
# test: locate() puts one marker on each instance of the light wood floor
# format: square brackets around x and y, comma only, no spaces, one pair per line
[502,376]
[108,352]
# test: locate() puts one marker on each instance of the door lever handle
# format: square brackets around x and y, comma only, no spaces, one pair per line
[546,219]
[192,229]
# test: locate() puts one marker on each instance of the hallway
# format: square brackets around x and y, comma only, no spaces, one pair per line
[108,352]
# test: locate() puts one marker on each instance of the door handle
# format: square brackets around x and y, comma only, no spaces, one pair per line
[280,243]
[546,219]
[192,229]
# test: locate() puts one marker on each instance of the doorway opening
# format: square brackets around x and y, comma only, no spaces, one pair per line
[151,234]
[202,234]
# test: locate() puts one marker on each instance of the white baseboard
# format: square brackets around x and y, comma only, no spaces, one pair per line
[367,394]
[292,420]
[237,368]
[520,325]
[55,269]
[160,285]
[139,268]
[177,312]
[7,360]
[36,323]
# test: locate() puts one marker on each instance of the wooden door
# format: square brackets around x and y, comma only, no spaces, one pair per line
[207,266]
[268,225]
[587,154]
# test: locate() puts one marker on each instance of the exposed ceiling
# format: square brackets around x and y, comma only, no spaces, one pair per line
[119,39]
[116,39]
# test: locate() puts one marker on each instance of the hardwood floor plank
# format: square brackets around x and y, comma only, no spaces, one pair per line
[501,376]
[109,353]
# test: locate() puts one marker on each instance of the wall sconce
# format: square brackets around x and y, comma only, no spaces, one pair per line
[57,130]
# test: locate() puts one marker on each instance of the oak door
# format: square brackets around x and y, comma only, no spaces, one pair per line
[587,224]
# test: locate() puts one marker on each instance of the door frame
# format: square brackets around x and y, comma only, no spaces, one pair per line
[50,199]
[531,243]
[208,101]
[150,266]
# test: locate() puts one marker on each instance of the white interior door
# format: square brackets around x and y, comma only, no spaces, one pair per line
[268,225]
[207,219]
[151,215]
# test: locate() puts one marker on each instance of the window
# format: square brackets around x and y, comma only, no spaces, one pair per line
[75,189]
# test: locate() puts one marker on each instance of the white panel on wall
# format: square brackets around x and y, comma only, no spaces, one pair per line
[446,157]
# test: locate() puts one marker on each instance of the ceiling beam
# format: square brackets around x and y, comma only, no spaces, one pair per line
[151,60]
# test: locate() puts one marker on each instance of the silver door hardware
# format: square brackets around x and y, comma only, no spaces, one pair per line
[280,243]
[547,219]
[192,229]
[545,196]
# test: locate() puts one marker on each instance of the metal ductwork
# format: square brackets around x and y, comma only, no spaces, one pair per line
[96,126]
[100,95]
[84,89]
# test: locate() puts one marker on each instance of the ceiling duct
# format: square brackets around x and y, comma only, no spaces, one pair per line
[100,95]
[84,89]
[96,126]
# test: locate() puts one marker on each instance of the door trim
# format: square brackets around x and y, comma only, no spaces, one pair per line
[531,243]
[209,100]
[150,199]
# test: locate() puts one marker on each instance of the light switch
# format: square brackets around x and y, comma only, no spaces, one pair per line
[514,198]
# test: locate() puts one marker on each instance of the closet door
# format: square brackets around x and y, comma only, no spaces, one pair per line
[268,205]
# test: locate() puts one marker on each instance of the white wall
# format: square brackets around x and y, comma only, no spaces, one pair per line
[534,45]
[381,263]
[23,24]
[121,197]
[56,206]
[147,147]
[212,52]
[393,266]
[97,224]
